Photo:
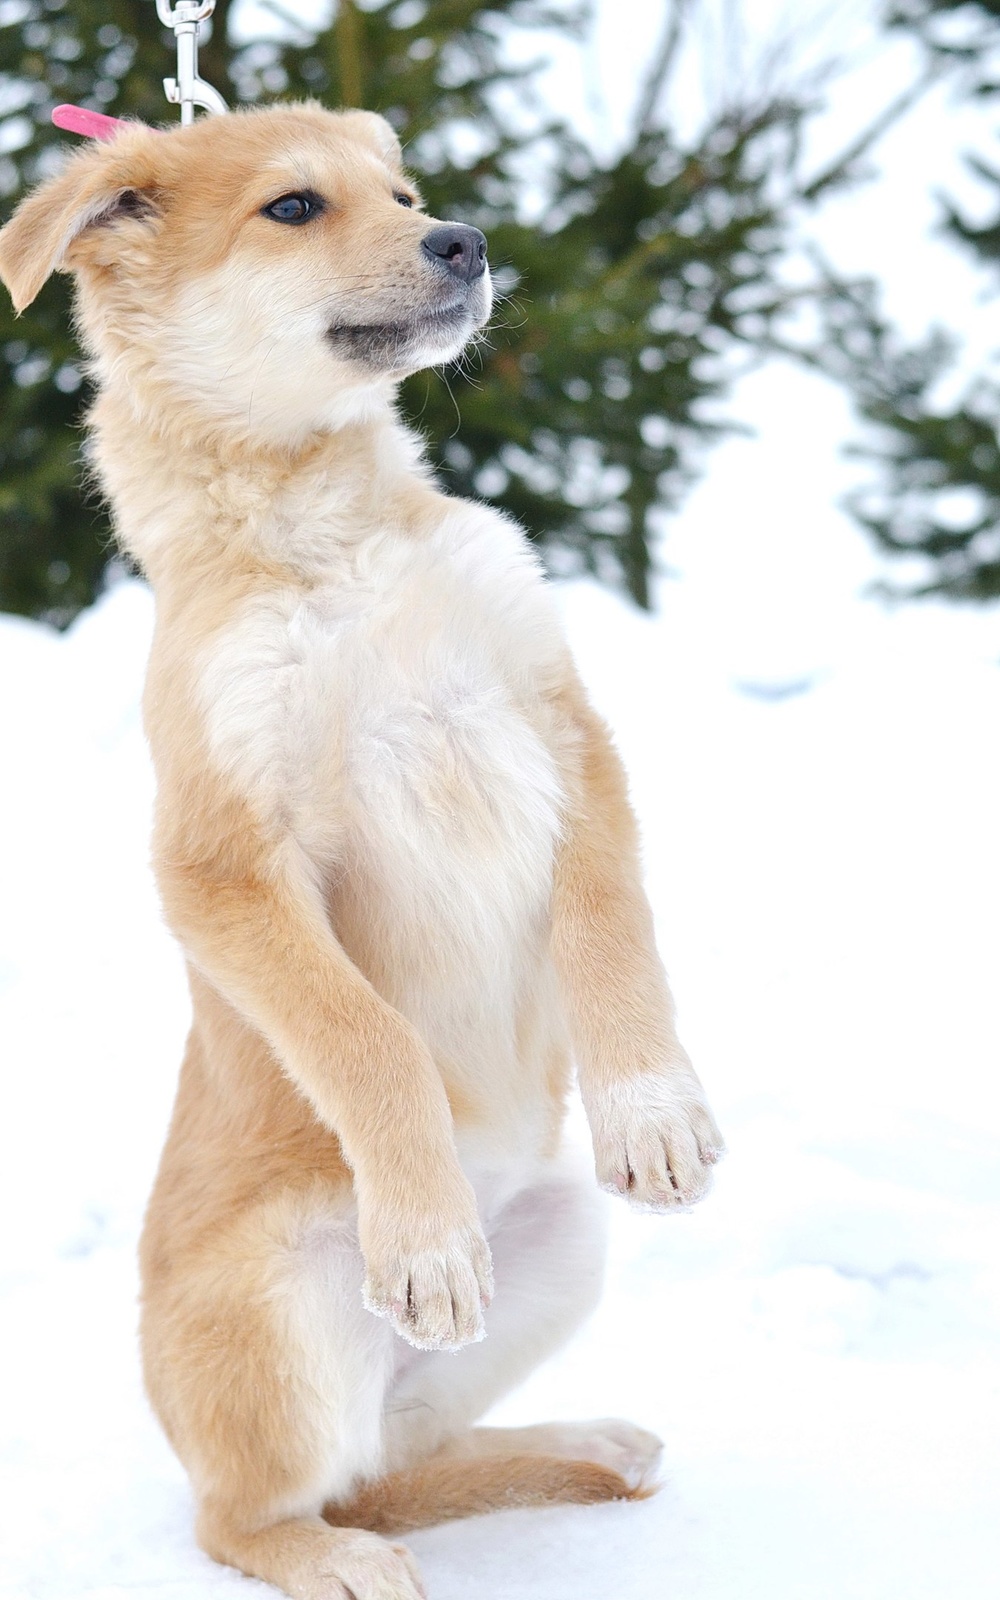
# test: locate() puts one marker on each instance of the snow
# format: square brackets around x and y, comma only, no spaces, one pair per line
[818,1343]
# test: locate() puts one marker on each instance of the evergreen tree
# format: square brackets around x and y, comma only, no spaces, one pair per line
[624,312]
[583,412]
[936,499]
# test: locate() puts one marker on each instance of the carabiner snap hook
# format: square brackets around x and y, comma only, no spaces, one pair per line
[188,90]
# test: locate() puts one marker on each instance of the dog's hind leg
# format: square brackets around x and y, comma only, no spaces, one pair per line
[270,1376]
[548,1249]
[312,1561]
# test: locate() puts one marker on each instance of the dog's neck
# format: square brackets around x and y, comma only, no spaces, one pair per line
[186,490]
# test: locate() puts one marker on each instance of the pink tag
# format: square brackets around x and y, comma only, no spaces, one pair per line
[92,124]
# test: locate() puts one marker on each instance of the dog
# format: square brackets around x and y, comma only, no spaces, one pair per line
[394,842]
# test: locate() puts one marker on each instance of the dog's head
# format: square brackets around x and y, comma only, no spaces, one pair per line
[272,268]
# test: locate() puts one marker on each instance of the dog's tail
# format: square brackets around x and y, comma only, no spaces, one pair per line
[445,1488]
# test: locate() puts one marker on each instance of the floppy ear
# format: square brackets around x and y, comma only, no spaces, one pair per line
[101,184]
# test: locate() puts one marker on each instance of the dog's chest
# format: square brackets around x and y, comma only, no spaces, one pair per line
[391,717]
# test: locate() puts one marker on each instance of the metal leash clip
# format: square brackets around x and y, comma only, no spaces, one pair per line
[188,90]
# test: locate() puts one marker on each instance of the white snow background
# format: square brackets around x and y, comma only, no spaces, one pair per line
[819,784]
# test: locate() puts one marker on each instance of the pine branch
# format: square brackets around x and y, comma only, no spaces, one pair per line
[663,65]
[289,20]
[839,169]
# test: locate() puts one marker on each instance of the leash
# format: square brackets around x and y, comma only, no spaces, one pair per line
[187,90]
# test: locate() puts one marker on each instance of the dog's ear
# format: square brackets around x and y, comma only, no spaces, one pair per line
[101,185]
[375,132]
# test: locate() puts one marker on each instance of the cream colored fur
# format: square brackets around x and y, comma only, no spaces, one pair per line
[395,844]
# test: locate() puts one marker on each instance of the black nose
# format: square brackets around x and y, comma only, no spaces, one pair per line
[462,250]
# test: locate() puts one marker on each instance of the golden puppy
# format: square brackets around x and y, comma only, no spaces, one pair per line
[394,842]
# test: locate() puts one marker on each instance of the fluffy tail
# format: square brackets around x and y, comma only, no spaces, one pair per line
[443,1489]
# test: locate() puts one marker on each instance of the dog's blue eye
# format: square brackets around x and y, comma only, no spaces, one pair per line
[402,200]
[292,208]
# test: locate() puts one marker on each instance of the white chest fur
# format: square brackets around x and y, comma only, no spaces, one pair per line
[392,718]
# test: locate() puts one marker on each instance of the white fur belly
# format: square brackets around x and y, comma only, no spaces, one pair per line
[455,815]
[454,803]
[396,741]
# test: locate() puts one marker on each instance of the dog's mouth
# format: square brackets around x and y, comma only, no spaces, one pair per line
[434,334]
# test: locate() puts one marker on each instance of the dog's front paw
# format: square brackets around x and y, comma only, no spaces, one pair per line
[431,1283]
[655,1140]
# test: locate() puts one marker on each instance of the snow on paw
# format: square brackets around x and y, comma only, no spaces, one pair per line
[369,1568]
[655,1140]
[434,1296]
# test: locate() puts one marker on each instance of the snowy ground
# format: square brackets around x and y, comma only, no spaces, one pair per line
[818,1344]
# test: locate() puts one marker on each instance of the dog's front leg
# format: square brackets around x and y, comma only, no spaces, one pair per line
[251,916]
[655,1139]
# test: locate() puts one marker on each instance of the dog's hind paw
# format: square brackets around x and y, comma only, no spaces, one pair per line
[626,1449]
